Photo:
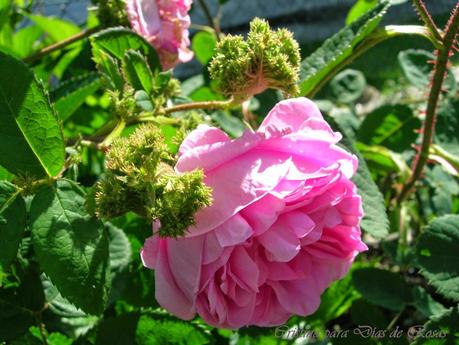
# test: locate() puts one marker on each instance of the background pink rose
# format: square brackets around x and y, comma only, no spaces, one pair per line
[164,23]
[284,223]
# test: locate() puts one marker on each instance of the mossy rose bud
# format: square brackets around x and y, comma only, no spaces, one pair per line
[267,59]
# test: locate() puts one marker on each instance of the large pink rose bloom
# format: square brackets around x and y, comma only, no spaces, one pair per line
[164,23]
[284,223]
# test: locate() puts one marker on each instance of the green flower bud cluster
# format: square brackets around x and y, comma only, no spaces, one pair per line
[111,13]
[267,59]
[139,178]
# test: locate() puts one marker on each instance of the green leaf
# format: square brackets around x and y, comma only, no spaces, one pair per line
[120,258]
[5,7]
[230,124]
[137,71]
[360,8]
[192,84]
[383,288]
[418,68]
[73,93]
[56,28]
[5,174]
[137,329]
[108,66]
[65,316]
[335,50]
[24,39]
[203,45]
[143,101]
[152,332]
[116,41]
[391,126]
[365,313]
[119,247]
[12,223]
[118,330]
[71,246]
[34,337]
[348,86]
[375,220]
[14,320]
[20,303]
[441,329]
[437,252]
[31,138]
[425,303]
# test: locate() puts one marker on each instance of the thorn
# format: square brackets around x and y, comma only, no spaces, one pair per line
[416,147]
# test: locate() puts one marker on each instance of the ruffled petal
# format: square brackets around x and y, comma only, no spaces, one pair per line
[298,115]
[203,135]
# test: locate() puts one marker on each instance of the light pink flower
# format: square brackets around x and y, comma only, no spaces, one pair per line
[164,23]
[284,223]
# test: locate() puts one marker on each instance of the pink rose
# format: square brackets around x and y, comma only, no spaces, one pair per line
[164,23]
[284,223]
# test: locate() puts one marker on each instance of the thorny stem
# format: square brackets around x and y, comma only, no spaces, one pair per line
[441,64]
[427,19]
[60,45]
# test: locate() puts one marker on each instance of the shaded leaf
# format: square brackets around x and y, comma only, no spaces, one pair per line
[441,329]
[63,315]
[447,126]
[437,252]
[375,220]
[230,124]
[73,93]
[383,288]
[391,126]
[417,68]
[425,303]
[348,86]
[12,223]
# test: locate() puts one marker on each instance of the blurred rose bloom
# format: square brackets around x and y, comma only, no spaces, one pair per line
[283,226]
[164,23]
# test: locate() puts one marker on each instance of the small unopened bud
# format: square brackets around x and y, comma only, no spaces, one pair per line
[267,59]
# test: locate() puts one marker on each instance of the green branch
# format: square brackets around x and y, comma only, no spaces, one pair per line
[201,105]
